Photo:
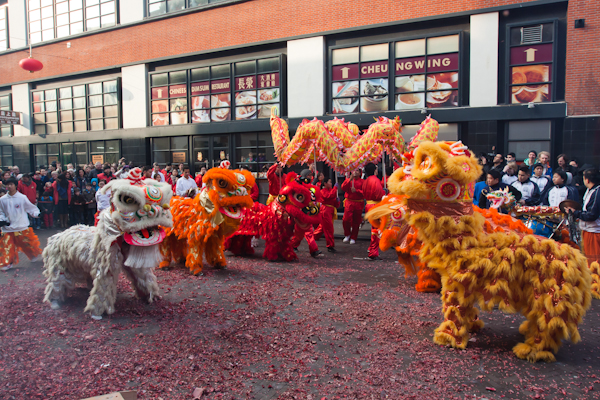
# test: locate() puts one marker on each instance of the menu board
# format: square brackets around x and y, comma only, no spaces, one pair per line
[98,158]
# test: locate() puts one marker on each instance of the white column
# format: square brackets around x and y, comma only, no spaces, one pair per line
[483,84]
[17,23]
[21,102]
[131,11]
[306,77]
[135,95]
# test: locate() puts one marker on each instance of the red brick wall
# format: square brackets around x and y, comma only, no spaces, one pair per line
[583,58]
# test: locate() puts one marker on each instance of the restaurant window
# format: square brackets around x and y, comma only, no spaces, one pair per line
[3,27]
[531,63]
[202,95]
[50,19]
[46,154]
[6,130]
[75,153]
[6,157]
[158,7]
[105,151]
[88,107]
[209,151]
[170,150]
[423,73]
[524,136]
[255,152]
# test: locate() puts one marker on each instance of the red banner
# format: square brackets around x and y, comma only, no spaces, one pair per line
[220,86]
[268,80]
[534,54]
[178,91]
[245,83]
[160,92]
[345,72]
[435,63]
[375,69]
[199,88]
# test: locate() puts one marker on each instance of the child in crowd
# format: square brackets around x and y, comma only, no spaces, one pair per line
[102,200]
[46,205]
[95,185]
[539,178]
[90,204]
[511,173]
[78,206]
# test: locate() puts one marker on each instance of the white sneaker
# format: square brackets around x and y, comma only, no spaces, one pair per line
[346,239]
[36,259]
[352,241]
[6,267]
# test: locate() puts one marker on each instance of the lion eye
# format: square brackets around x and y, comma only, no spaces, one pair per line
[299,197]
[128,200]
[222,183]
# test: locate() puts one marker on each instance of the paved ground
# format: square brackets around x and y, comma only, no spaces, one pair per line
[336,327]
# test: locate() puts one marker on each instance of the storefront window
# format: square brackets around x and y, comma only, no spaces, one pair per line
[255,152]
[170,150]
[105,151]
[158,7]
[531,58]
[209,151]
[5,104]
[524,136]
[6,157]
[425,73]
[3,28]
[46,154]
[205,94]
[49,19]
[75,153]
[93,107]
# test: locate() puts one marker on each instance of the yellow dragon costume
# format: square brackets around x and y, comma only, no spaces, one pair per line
[201,224]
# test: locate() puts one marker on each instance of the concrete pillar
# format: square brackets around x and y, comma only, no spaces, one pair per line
[483,84]
[135,95]
[131,11]
[21,101]
[17,24]
[306,77]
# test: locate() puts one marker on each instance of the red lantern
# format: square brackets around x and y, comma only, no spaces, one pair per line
[31,64]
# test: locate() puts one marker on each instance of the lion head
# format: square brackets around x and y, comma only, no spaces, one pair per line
[228,190]
[299,201]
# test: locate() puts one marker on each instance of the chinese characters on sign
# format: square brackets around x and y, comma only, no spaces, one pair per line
[10,117]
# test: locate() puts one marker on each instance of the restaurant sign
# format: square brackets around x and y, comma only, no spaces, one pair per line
[535,54]
[10,117]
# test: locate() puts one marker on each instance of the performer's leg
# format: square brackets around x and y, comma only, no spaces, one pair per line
[28,243]
[310,239]
[143,281]
[356,220]
[318,232]
[347,221]
[327,225]
[214,252]
[297,238]
[8,249]
[374,246]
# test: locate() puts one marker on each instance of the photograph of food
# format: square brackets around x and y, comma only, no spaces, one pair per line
[268,95]
[418,82]
[409,101]
[374,95]
[220,100]
[245,105]
[345,96]
[404,84]
[200,104]
[529,77]
[264,110]
[161,106]
[220,114]
[179,116]
[449,78]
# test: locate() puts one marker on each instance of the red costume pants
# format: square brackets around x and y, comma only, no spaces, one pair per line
[12,242]
[374,246]
[308,234]
[352,217]
[326,226]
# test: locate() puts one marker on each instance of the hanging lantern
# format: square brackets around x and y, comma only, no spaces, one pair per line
[31,64]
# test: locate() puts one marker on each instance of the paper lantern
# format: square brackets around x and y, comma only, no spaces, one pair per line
[31,64]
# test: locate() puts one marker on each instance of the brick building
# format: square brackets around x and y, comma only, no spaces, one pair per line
[194,81]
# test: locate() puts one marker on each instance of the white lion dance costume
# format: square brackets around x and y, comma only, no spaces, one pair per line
[126,238]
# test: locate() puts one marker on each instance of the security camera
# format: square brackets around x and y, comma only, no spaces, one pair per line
[531,104]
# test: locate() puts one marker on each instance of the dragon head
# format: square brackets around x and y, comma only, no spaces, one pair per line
[139,207]
[502,198]
[228,191]
[298,201]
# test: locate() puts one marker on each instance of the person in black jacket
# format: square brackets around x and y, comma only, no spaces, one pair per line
[493,184]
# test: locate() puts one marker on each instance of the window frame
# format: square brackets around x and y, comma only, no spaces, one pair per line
[170,150]
[4,9]
[462,85]
[553,64]
[91,153]
[10,126]
[187,6]
[3,165]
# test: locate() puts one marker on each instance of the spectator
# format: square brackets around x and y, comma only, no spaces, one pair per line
[37,179]
[511,157]
[6,176]
[62,198]
[200,176]
[477,191]
[29,189]
[147,172]
[539,178]
[102,199]
[589,215]
[77,207]
[46,206]
[531,158]
[560,191]
[563,165]
[87,170]
[156,170]
[53,176]
[97,171]
[123,172]
[80,179]
[90,204]
[107,175]
[173,177]
[511,173]
[494,183]
[168,169]
[185,183]
[45,177]
[15,171]
[319,180]
[575,163]
[544,158]
[498,163]
[530,192]
[94,182]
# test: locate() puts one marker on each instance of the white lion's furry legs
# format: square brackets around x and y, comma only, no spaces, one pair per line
[106,275]
[143,281]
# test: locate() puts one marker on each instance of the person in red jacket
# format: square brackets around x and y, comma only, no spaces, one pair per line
[329,205]
[373,192]
[106,175]
[29,188]
[353,205]
[276,179]
[62,198]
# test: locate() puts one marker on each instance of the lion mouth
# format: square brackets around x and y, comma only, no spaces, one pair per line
[231,212]
[145,237]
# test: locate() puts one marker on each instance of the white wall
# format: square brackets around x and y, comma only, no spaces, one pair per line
[17,23]
[483,85]
[135,95]
[21,101]
[131,11]
[306,77]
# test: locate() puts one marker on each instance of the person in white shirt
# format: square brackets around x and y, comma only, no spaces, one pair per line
[185,183]
[102,199]
[16,233]
[538,177]
[530,193]
[560,191]
[511,173]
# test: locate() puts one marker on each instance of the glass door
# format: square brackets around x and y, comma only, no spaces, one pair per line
[209,151]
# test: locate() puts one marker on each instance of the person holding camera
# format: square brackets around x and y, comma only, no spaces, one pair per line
[16,233]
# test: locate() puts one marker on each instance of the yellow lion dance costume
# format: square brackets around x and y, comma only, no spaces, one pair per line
[201,224]
[547,282]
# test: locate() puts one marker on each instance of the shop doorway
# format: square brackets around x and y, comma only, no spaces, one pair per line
[210,151]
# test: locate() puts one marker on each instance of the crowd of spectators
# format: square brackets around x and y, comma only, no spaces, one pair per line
[68,195]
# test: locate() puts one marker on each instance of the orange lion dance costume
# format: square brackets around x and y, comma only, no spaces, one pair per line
[201,224]
[548,282]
